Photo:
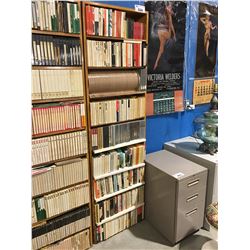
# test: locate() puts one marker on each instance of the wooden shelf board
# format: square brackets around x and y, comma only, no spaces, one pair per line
[107,196]
[57,133]
[120,145]
[119,122]
[59,160]
[38,224]
[66,99]
[57,215]
[41,67]
[59,189]
[94,37]
[115,68]
[115,94]
[121,170]
[125,211]
[111,38]
[54,33]
[135,40]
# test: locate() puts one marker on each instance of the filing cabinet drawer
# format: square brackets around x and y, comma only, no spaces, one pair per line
[192,185]
[188,221]
[188,202]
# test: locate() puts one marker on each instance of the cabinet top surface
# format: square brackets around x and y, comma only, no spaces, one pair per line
[189,146]
[174,165]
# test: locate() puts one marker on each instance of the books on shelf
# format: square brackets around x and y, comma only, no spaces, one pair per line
[117,225]
[106,136]
[36,85]
[49,117]
[62,174]
[110,207]
[55,16]
[116,54]
[117,110]
[61,201]
[52,83]
[114,23]
[77,241]
[55,51]
[33,212]
[61,227]
[117,81]
[118,182]
[56,147]
[115,160]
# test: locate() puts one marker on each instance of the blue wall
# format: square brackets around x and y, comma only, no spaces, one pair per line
[163,128]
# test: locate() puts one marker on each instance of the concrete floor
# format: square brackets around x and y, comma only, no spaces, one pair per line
[144,236]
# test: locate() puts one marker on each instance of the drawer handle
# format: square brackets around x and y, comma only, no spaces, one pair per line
[190,184]
[192,198]
[191,212]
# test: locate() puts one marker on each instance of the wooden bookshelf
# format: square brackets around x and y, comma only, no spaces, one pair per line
[95,97]
[88,98]
[81,98]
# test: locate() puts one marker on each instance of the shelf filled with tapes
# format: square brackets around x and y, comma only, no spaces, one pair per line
[116,76]
[61,197]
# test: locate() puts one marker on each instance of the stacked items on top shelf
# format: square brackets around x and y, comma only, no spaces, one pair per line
[116,56]
[61,207]
[104,21]
[57,16]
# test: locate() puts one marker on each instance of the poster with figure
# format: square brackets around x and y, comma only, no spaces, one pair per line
[167,24]
[207,39]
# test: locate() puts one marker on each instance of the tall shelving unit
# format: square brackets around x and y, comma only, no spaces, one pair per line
[117,193]
[61,197]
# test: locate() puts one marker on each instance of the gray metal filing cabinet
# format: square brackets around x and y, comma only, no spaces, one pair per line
[187,147]
[174,194]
